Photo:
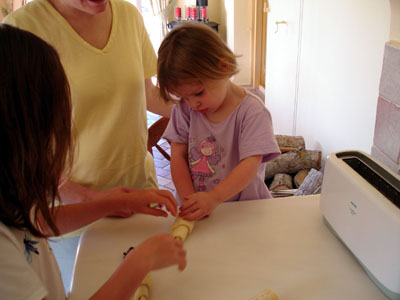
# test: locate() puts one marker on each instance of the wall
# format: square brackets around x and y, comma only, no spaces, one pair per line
[239,36]
[235,27]
[395,20]
[334,87]
[386,145]
[281,63]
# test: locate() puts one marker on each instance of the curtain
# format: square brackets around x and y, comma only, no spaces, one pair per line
[163,9]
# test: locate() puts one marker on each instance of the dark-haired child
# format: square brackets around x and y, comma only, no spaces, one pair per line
[35,156]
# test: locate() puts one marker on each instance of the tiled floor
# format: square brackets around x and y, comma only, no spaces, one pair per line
[162,164]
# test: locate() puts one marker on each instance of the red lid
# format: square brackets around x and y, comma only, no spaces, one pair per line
[178,12]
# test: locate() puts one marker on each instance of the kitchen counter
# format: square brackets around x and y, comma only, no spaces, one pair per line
[282,244]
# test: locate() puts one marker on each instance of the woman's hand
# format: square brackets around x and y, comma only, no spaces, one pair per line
[94,195]
[198,205]
[151,202]
[132,201]
[161,251]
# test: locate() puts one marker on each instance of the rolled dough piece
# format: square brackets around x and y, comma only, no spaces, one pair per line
[143,291]
[181,228]
[265,295]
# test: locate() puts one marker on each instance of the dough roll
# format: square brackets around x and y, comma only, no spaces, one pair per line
[143,291]
[265,295]
[181,228]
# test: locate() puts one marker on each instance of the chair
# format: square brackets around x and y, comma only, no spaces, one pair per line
[155,132]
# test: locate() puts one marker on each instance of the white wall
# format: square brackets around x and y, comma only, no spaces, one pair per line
[281,67]
[333,102]
[239,36]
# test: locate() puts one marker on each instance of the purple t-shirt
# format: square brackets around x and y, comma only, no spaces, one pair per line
[215,149]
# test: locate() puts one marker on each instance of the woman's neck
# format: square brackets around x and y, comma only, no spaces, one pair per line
[94,28]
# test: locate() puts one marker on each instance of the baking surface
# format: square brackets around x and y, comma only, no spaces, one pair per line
[243,248]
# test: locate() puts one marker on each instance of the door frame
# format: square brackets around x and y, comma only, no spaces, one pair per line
[260,11]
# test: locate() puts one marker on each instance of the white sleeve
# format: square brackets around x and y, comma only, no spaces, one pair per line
[17,278]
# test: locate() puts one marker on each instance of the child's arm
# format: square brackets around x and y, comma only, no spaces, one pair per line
[201,204]
[74,216]
[180,170]
[155,253]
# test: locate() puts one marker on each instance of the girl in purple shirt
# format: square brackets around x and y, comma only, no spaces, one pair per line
[221,135]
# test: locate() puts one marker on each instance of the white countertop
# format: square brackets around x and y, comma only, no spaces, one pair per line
[243,248]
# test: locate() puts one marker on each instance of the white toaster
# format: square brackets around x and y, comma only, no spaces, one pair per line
[360,201]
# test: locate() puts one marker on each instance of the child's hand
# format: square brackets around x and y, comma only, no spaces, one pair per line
[162,250]
[198,205]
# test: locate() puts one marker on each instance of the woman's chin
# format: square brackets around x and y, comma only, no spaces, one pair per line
[97,6]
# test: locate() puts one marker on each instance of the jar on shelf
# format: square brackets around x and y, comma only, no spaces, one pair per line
[202,10]
[178,14]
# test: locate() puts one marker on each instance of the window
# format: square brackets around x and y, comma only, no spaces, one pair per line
[153,23]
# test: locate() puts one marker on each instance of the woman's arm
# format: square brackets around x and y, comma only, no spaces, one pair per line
[154,101]
[70,217]
[180,170]
[71,192]
[201,204]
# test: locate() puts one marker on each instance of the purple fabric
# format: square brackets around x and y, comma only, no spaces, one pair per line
[215,149]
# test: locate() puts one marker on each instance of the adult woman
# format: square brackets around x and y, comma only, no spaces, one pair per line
[109,61]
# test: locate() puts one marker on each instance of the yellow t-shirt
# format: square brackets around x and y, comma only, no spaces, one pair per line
[108,93]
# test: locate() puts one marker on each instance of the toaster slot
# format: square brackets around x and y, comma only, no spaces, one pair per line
[375,175]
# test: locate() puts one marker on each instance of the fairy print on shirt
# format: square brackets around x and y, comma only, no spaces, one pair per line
[202,158]
[29,247]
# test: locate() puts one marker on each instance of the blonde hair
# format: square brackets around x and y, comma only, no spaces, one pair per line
[192,53]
